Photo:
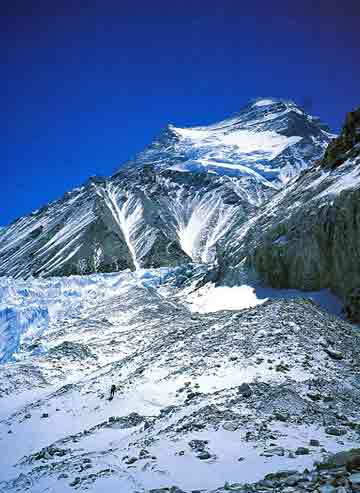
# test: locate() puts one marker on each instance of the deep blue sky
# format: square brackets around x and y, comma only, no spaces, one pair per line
[84,88]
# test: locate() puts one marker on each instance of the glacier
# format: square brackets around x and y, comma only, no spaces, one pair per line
[29,308]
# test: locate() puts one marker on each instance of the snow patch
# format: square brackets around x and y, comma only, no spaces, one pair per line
[264,102]
[254,145]
[213,299]
[346,181]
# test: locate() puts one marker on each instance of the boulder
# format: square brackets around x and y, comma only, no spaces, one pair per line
[245,390]
[204,455]
[335,431]
[342,459]
[337,355]
[302,451]
[327,488]
[230,426]
[353,463]
[198,445]
[279,451]
[131,460]
[355,479]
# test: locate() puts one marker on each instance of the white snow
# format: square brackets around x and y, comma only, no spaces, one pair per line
[213,298]
[345,181]
[127,217]
[192,231]
[318,181]
[245,144]
[260,173]
[201,221]
[254,146]
[264,102]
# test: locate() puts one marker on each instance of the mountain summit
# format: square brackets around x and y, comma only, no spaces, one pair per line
[270,139]
[174,201]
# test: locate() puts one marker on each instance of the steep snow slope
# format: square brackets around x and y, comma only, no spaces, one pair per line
[271,141]
[201,398]
[174,202]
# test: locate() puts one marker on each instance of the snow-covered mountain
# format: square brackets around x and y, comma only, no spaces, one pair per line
[268,139]
[173,202]
[307,235]
[163,281]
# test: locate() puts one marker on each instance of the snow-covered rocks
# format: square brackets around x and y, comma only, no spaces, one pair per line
[184,403]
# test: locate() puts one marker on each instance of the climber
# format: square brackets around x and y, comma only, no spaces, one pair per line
[112,392]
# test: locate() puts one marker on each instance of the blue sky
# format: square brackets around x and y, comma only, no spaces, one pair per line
[85,88]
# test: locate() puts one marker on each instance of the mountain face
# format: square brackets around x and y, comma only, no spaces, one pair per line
[307,236]
[172,203]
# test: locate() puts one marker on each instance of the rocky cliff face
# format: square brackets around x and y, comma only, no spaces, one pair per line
[174,202]
[346,145]
[308,235]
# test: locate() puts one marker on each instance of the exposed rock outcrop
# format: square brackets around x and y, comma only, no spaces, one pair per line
[347,145]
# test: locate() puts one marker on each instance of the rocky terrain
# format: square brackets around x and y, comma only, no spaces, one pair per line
[202,399]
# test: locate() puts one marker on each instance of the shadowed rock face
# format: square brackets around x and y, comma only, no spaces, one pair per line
[346,145]
[352,307]
[314,251]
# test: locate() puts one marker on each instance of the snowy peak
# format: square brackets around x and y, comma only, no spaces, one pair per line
[264,102]
[268,115]
[270,138]
[174,202]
